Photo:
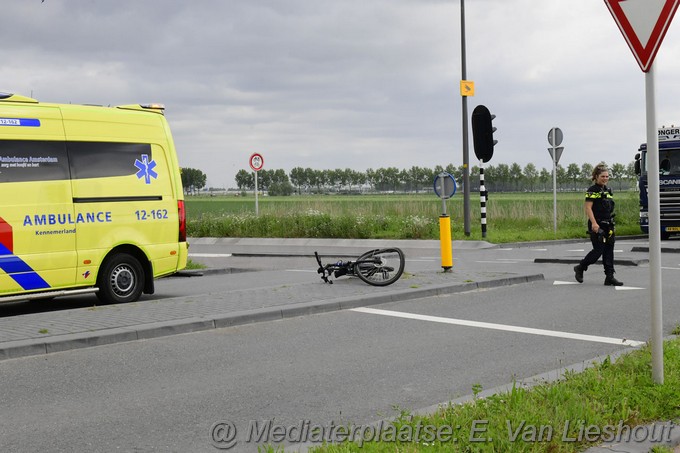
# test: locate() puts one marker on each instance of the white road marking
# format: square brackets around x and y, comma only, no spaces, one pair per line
[559,282]
[671,268]
[210,255]
[498,262]
[626,288]
[583,250]
[516,259]
[539,250]
[504,327]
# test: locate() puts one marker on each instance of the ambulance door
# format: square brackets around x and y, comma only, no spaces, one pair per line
[121,186]
[37,232]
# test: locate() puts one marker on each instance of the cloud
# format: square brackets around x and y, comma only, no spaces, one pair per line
[345,83]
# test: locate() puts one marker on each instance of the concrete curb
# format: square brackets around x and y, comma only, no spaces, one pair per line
[367,244]
[563,241]
[620,262]
[663,249]
[57,343]
[211,271]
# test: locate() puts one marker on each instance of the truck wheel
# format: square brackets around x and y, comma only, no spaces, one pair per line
[120,279]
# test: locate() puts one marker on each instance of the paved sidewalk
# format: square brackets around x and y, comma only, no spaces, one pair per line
[54,331]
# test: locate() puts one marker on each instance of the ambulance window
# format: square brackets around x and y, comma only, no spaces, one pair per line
[106,159]
[32,160]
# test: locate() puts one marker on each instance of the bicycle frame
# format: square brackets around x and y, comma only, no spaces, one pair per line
[337,269]
[378,267]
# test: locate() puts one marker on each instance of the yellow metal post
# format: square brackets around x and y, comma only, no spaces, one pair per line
[445,241]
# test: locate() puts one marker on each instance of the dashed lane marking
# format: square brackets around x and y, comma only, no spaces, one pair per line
[504,327]
[498,262]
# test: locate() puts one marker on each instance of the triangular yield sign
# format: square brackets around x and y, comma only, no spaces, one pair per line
[643,24]
[558,153]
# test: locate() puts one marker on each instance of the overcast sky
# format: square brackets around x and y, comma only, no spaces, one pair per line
[346,83]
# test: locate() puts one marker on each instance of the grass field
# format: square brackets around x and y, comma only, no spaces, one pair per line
[511,217]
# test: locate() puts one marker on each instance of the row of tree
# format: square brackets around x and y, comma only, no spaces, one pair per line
[500,178]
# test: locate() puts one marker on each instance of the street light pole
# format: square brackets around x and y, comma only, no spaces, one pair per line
[466,153]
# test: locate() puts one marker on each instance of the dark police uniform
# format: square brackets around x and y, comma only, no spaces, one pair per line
[603,241]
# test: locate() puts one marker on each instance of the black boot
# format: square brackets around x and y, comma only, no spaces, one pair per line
[578,273]
[610,280]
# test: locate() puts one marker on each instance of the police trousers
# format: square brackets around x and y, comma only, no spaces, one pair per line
[603,246]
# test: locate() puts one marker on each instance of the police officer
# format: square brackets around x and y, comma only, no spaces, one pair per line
[599,208]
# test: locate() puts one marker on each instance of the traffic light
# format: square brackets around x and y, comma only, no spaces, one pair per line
[482,133]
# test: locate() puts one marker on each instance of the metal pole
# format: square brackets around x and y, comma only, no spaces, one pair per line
[482,196]
[554,194]
[654,228]
[554,154]
[257,211]
[466,152]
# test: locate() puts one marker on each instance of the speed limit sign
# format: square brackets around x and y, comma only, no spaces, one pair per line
[256,162]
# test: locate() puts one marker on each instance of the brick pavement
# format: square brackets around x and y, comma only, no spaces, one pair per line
[45,332]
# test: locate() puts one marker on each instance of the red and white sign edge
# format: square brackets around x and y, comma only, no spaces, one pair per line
[632,27]
[254,160]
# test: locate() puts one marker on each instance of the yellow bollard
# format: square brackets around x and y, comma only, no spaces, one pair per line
[445,240]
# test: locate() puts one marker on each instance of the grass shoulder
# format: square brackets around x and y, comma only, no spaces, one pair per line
[604,403]
[511,217]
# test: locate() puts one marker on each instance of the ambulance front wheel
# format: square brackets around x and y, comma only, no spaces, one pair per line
[121,279]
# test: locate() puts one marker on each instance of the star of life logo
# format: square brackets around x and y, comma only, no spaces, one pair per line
[146,169]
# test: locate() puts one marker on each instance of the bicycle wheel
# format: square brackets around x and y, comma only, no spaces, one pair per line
[380,267]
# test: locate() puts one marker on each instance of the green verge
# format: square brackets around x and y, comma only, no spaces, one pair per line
[603,403]
[514,217]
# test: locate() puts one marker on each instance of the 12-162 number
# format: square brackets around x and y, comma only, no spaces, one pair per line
[154,214]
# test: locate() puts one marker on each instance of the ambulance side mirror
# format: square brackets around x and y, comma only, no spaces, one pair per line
[638,169]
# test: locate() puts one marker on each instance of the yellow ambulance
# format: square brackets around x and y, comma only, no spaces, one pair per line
[91,200]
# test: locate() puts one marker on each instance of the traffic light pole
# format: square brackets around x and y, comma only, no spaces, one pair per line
[482,197]
[482,134]
[466,151]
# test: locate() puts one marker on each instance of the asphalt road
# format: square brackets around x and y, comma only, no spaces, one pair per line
[347,367]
